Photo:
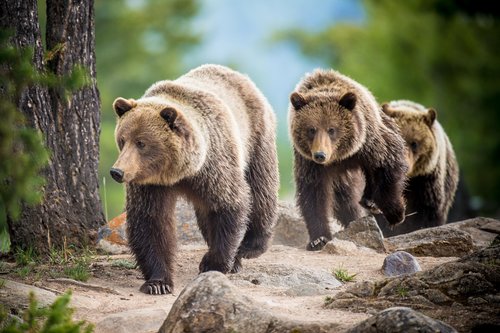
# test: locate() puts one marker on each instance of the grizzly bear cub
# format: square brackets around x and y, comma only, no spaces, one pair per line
[348,154]
[433,169]
[208,136]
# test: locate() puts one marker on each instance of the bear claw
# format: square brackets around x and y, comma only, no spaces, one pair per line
[370,206]
[317,244]
[156,287]
[209,264]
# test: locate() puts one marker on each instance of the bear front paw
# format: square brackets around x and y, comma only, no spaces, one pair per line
[370,206]
[156,287]
[214,263]
[317,244]
[254,248]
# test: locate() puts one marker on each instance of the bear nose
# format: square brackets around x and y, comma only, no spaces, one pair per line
[319,156]
[117,174]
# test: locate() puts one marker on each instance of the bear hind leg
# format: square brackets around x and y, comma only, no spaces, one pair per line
[347,194]
[262,177]
[388,193]
[226,231]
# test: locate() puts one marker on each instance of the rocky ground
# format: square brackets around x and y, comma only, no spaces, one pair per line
[290,289]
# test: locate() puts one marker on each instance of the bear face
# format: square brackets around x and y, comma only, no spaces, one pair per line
[416,126]
[325,129]
[157,145]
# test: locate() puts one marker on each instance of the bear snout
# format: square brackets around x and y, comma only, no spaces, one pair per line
[319,157]
[117,174]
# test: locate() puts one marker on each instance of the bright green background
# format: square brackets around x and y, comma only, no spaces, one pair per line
[441,53]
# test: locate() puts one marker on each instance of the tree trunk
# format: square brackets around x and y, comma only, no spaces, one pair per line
[71,210]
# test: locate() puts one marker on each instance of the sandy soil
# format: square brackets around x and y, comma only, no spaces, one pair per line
[121,285]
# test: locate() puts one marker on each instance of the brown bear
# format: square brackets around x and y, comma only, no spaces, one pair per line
[348,154]
[208,136]
[433,169]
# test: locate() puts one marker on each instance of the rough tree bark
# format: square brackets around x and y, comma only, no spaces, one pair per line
[71,210]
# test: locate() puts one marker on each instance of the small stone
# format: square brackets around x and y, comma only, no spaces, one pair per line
[457,305]
[399,263]
[436,296]
[476,301]
[340,247]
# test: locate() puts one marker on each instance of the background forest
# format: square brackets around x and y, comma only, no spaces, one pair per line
[441,53]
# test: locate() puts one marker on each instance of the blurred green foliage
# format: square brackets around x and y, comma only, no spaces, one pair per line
[440,53]
[36,319]
[137,43]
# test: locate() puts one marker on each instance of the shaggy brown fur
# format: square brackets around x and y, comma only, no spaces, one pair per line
[209,136]
[433,173]
[340,134]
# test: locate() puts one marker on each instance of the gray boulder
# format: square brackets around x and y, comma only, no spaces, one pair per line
[211,303]
[441,241]
[363,232]
[290,229]
[399,263]
[482,230]
[401,320]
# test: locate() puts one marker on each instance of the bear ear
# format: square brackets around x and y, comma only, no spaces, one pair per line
[122,105]
[430,117]
[387,110]
[170,115]
[298,101]
[348,101]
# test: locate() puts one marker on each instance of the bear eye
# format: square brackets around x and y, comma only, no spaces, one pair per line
[121,143]
[331,131]
[414,146]
[311,131]
[140,144]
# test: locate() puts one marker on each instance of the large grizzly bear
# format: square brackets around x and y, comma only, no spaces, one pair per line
[433,169]
[348,154]
[208,136]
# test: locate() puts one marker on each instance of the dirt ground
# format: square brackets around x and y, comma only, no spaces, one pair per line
[114,288]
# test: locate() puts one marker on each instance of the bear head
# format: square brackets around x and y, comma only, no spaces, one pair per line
[157,143]
[416,124]
[325,127]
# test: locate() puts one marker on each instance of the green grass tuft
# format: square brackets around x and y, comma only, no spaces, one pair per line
[402,291]
[26,256]
[343,275]
[79,271]
[123,263]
